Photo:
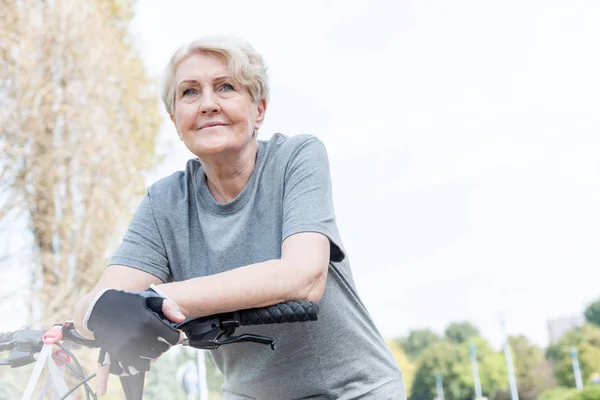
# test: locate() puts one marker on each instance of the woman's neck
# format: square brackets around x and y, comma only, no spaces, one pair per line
[227,176]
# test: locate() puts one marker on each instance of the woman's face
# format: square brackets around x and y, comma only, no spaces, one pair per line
[213,114]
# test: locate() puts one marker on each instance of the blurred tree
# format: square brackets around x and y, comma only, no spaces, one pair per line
[569,339]
[592,313]
[492,368]
[418,341]
[452,361]
[440,358]
[79,121]
[586,340]
[588,393]
[533,372]
[559,393]
[460,332]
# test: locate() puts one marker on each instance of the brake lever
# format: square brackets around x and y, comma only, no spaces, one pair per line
[209,333]
[247,337]
[73,336]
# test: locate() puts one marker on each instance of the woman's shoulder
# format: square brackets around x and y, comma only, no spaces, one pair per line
[280,139]
[286,146]
[174,186]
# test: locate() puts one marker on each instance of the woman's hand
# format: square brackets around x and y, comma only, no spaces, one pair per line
[131,333]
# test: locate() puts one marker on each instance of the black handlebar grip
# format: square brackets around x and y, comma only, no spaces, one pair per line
[292,311]
[23,339]
[7,340]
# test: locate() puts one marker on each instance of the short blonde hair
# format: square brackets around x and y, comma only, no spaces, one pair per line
[245,64]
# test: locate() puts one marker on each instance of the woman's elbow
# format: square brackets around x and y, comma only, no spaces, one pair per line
[314,286]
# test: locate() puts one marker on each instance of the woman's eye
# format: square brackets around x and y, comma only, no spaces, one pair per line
[226,87]
[189,92]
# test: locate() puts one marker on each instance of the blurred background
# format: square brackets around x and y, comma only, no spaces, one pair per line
[464,146]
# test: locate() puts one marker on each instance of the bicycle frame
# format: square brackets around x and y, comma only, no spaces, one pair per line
[56,361]
[55,377]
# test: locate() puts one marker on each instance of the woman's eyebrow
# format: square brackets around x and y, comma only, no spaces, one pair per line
[218,78]
[187,82]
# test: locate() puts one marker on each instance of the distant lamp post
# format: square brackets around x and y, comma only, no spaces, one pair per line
[576,369]
[439,386]
[512,381]
[473,353]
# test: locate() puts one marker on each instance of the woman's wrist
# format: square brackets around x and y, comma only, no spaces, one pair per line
[165,290]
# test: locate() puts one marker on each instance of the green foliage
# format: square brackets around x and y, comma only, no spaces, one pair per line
[537,373]
[417,342]
[560,393]
[460,332]
[587,342]
[439,358]
[532,370]
[492,368]
[569,339]
[592,313]
[588,393]
[452,361]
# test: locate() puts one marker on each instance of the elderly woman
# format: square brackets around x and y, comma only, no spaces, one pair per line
[249,223]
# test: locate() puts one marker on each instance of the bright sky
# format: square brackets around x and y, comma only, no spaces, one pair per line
[463,140]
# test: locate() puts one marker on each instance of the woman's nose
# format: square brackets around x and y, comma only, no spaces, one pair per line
[209,103]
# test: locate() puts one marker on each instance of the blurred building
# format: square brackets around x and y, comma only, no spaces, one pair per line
[560,326]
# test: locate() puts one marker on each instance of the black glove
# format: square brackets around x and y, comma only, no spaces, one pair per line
[130,329]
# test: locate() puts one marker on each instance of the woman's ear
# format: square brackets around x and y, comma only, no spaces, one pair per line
[260,115]
[176,128]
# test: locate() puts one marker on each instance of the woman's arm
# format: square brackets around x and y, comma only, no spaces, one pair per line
[300,274]
[114,277]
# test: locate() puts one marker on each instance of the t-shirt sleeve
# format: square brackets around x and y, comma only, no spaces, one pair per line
[307,197]
[142,246]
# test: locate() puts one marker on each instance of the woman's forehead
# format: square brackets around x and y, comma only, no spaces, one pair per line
[201,67]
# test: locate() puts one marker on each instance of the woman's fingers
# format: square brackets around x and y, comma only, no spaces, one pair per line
[172,311]
[102,374]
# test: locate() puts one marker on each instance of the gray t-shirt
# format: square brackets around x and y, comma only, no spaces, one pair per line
[180,232]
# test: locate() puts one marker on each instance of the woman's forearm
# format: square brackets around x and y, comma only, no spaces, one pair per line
[256,285]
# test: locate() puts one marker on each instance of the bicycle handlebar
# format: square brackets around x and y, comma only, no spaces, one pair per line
[208,332]
[30,340]
[215,330]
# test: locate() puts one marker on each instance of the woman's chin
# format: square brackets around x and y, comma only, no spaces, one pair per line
[214,147]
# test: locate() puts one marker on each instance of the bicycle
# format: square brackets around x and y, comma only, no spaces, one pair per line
[27,346]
